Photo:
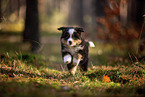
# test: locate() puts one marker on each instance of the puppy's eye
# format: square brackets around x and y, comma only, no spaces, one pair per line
[75,36]
[66,35]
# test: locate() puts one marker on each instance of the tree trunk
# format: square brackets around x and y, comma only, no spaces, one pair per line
[0,12]
[31,31]
[76,13]
[123,12]
[136,11]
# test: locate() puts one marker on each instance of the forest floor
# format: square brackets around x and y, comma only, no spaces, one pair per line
[44,75]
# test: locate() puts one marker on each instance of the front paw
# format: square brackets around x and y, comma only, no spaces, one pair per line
[67,59]
[77,58]
[73,70]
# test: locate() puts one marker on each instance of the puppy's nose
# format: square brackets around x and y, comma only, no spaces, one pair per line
[70,42]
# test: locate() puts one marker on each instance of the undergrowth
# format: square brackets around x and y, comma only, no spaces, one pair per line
[26,75]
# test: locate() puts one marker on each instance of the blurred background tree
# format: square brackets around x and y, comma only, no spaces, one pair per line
[0,12]
[117,22]
[31,30]
[121,22]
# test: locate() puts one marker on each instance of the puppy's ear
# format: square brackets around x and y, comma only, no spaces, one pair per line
[61,28]
[79,29]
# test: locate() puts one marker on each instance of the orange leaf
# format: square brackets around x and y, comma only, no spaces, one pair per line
[106,79]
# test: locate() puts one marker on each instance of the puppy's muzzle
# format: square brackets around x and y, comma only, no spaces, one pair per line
[70,42]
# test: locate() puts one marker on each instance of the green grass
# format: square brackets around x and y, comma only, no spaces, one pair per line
[24,75]
[44,74]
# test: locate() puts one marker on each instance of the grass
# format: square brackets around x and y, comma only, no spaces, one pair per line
[24,75]
[44,74]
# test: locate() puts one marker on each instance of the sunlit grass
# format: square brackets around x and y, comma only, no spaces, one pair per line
[45,72]
[19,72]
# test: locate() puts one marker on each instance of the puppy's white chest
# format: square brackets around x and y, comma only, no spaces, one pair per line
[73,50]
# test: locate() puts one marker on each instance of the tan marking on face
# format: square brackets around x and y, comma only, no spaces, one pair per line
[76,42]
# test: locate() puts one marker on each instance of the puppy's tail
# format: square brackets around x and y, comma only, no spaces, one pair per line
[91,44]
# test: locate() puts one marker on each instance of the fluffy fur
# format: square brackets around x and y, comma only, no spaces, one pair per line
[74,49]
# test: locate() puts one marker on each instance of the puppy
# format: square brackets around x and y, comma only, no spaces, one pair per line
[74,49]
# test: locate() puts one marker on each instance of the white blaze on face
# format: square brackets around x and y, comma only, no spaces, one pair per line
[70,39]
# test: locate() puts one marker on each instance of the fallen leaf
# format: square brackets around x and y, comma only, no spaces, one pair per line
[106,79]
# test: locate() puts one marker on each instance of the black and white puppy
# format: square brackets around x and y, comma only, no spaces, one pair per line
[74,49]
